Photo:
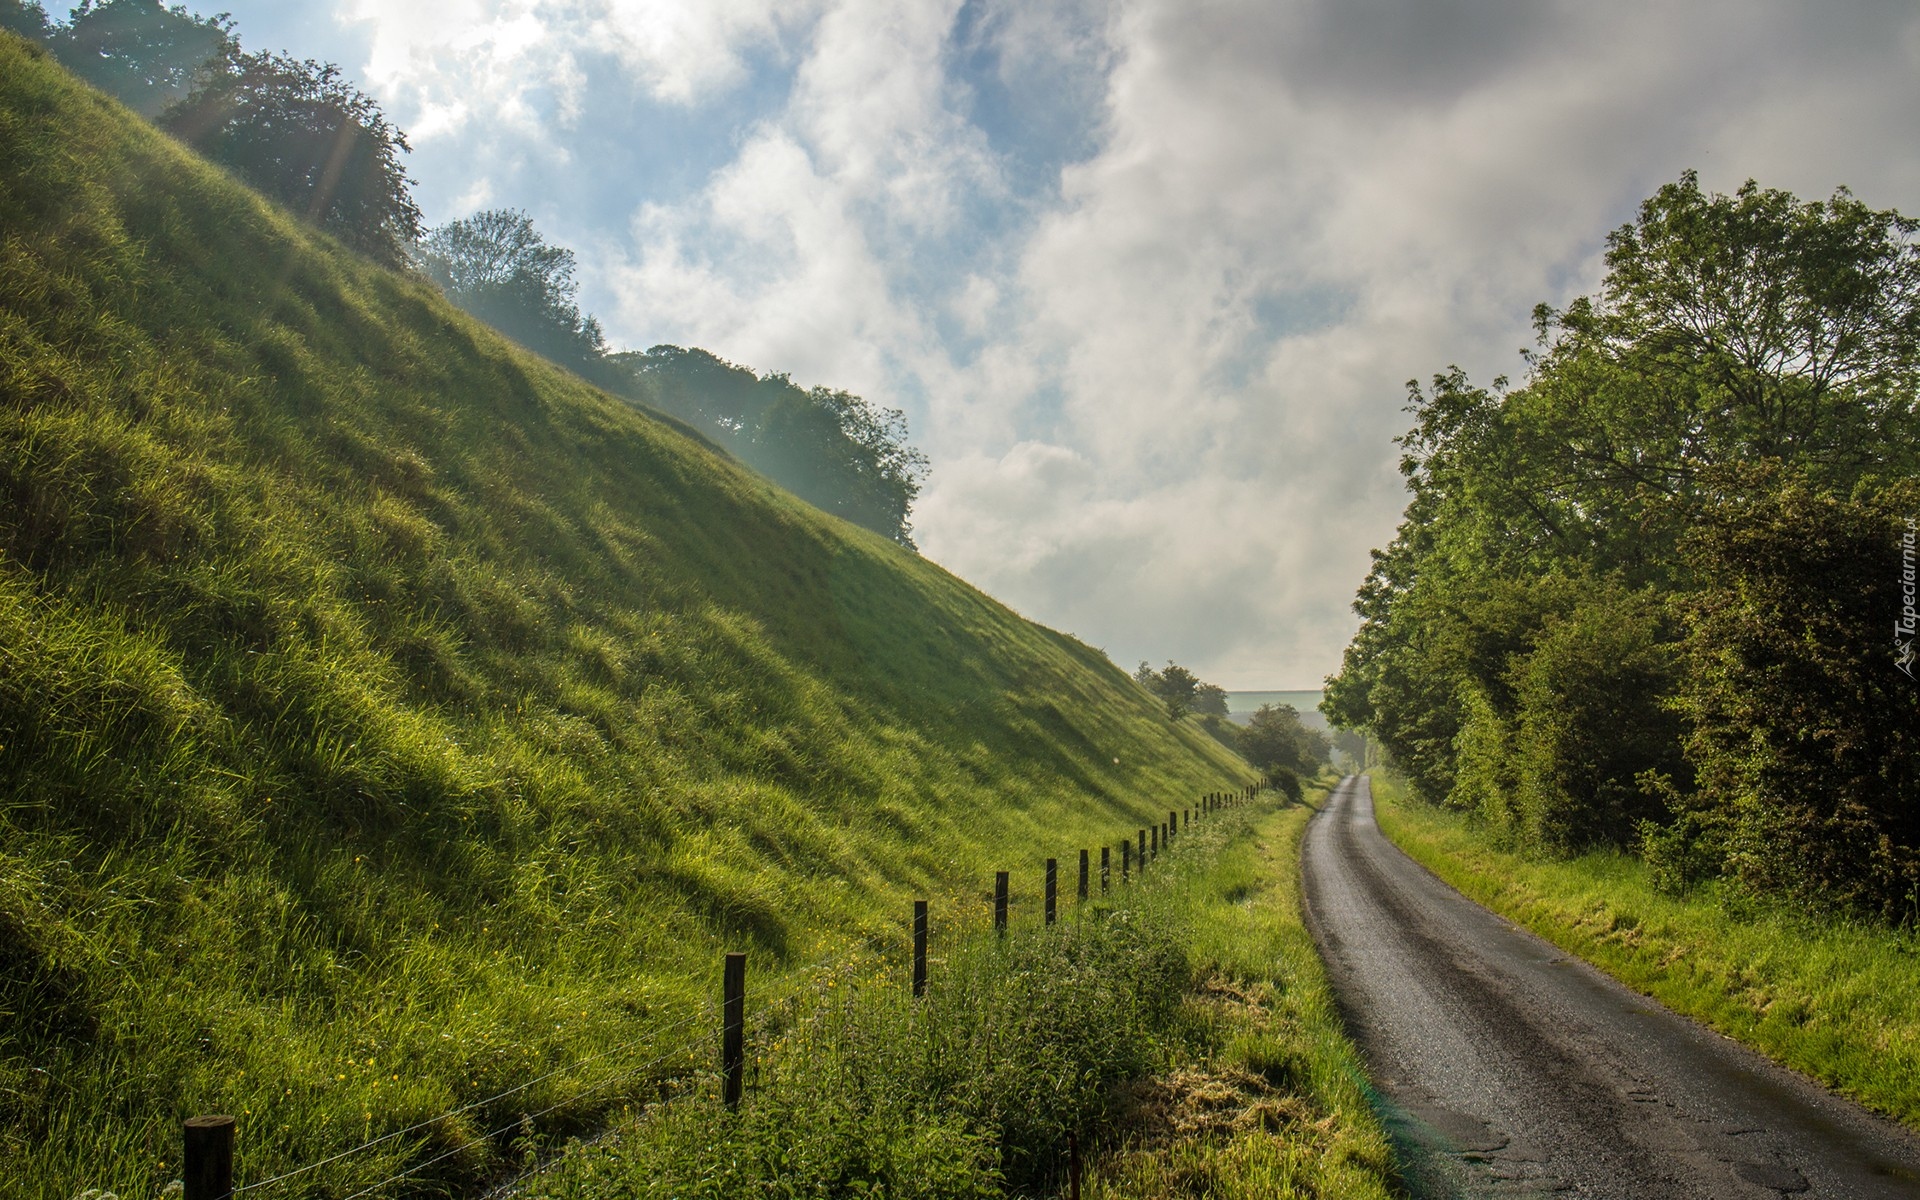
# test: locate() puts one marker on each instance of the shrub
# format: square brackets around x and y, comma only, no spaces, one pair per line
[1592,717]
[1806,732]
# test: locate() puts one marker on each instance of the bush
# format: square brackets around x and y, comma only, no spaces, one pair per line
[1682,854]
[1806,732]
[1592,717]
[969,1092]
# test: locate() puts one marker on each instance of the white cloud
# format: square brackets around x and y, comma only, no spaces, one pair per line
[687,50]
[518,64]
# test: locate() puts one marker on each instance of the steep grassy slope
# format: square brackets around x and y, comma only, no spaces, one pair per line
[387,718]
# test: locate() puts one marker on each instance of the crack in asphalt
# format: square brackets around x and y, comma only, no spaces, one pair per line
[1504,1067]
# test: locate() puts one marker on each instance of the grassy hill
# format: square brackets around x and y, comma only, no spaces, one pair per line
[387,717]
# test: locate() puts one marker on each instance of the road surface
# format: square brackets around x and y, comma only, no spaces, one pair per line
[1507,1068]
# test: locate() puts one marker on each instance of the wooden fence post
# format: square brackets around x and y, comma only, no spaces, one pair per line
[1053,878]
[1073,1166]
[1106,868]
[1143,852]
[1083,876]
[919,947]
[207,1157]
[1173,824]
[1000,901]
[733,1029]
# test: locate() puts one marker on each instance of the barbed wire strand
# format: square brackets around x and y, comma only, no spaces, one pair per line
[802,981]
[707,1011]
[516,1123]
[649,1036]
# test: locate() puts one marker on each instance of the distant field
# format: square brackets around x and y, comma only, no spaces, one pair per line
[1242,705]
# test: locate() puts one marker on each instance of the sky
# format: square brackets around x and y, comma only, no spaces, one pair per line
[1148,277]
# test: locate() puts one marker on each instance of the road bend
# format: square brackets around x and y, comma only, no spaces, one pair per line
[1504,1067]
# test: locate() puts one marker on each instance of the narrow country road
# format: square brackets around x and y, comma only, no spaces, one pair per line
[1507,1068]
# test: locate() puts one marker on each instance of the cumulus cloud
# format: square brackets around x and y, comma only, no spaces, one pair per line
[1148,276]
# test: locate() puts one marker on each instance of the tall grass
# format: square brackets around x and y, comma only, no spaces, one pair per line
[388,719]
[1832,998]
[1179,1026]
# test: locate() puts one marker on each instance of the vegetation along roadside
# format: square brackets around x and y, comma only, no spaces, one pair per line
[1179,1026]
[1835,998]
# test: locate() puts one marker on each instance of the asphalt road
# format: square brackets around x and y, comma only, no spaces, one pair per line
[1506,1068]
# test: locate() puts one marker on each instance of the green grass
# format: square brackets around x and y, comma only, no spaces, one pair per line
[1180,1025]
[388,718]
[1273,1101]
[1834,1000]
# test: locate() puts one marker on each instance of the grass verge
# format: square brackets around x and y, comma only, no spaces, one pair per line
[1835,1000]
[1182,1027]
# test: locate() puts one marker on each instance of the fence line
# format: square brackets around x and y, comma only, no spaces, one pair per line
[451,1114]
[209,1141]
[516,1123]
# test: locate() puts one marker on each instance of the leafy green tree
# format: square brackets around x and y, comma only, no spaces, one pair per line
[1517,654]
[306,137]
[142,54]
[701,388]
[498,267]
[828,446]
[1175,686]
[1275,739]
[295,130]
[841,454]
[1210,700]
[1353,744]
[1592,718]
[25,18]
[1805,727]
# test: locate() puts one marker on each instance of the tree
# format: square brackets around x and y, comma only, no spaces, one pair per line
[1210,700]
[1592,718]
[1175,686]
[498,267]
[304,136]
[295,130]
[831,448]
[841,454]
[144,55]
[700,388]
[25,18]
[1805,725]
[1518,654]
[1275,739]
[1352,744]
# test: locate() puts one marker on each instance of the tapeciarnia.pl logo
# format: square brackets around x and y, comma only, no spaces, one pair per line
[1903,626]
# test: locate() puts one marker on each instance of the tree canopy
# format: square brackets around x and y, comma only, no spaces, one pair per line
[145,55]
[302,134]
[1275,739]
[1547,640]
[294,129]
[831,448]
[498,267]
[1176,686]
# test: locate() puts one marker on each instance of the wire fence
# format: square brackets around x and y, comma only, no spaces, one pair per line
[209,1141]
